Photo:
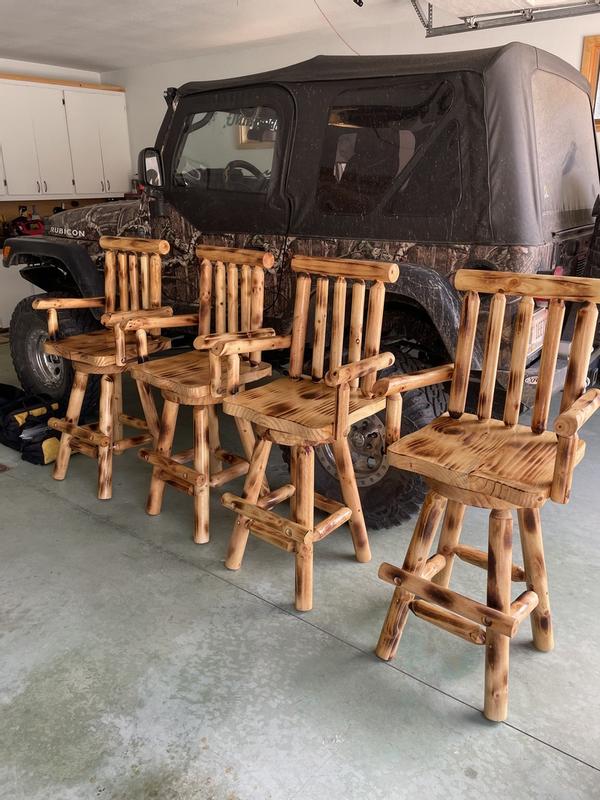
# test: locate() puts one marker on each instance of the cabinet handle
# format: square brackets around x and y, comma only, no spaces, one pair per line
[102,184]
[45,186]
[38,186]
[108,184]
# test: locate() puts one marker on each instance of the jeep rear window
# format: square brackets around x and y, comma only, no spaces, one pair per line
[566,149]
[228,150]
[377,155]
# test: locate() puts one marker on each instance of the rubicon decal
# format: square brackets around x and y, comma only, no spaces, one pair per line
[74,233]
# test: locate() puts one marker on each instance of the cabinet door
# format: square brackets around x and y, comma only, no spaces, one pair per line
[51,139]
[84,136]
[17,139]
[114,141]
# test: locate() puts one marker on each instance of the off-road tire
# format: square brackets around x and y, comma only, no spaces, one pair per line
[37,374]
[397,495]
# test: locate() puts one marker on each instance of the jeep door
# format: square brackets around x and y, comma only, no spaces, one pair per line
[225,159]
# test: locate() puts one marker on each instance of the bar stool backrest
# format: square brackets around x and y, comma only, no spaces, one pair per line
[558,291]
[231,289]
[364,336]
[132,272]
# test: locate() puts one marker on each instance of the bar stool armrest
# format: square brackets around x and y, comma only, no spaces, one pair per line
[385,387]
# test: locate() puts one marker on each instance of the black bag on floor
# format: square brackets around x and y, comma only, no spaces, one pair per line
[23,424]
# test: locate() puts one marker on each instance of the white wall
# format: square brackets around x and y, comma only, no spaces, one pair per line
[12,286]
[382,29]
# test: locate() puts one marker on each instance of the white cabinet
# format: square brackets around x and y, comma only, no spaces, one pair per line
[34,141]
[114,142]
[62,142]
[84,136]
[51,140]
[21,169]
[99,138]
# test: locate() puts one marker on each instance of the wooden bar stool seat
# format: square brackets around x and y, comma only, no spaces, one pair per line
[230,303]
[303,411]
[99,349]
[132,283]
[300,408]
[479,456]
[475,460]
[187,375]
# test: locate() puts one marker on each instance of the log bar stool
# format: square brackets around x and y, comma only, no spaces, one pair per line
[474,460]
[132,279]
[232,292]
[304,411]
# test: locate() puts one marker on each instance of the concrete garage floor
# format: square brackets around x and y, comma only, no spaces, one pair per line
[135,666]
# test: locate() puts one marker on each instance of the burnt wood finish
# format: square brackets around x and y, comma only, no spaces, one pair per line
[302,411]
[132,275]
[230,311]
[476,460]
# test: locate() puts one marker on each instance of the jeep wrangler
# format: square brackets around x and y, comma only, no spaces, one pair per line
[482,159]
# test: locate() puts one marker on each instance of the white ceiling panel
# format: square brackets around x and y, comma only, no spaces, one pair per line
[102,35]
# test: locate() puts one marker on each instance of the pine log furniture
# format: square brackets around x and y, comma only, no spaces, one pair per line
[304,411]
[475,460]
[231,292]
[132,281]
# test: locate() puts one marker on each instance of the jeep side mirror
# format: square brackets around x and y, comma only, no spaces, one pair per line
[150,168]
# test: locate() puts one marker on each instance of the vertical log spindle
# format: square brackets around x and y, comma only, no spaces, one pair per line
[123,286]
[256,306]
[320,328]
[337,323]
[543,394]
[220,295]
[521,333]
[493,338]
[357,314]
[464,355]
[373,331]
[299,325]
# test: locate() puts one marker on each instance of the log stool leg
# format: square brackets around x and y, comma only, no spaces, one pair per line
[248,440]
[105,426]
[449,537]
[252,487]
[149,409]
[163,448]
[497,646]
[201,464]
[73,411]
[416,556]
[214,440]
[293,479]
[118,407]
[345,470]
[304,511]
[535,572]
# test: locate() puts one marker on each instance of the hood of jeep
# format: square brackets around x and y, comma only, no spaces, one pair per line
[89,223]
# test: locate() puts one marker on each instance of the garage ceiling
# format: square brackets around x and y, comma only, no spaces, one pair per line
[102,35]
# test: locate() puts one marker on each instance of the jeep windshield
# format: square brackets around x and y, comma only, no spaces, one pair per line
[209,151]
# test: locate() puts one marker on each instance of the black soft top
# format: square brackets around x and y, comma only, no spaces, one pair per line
[341,68]
[514,154]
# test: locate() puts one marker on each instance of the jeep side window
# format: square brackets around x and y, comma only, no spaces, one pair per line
[371,150]
[228,150]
